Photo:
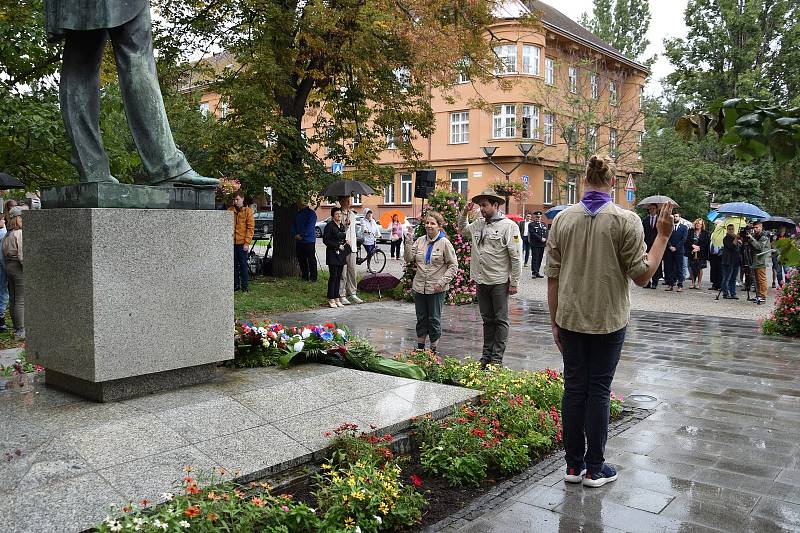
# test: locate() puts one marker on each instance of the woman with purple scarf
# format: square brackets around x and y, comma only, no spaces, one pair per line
[595,247]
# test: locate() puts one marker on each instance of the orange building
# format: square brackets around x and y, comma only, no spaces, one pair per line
[560,92]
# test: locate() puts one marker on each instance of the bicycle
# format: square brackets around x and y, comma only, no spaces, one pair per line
[376,261]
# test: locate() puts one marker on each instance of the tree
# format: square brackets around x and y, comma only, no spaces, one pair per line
[734,48]
[621,23]
[342,78]
[592,114]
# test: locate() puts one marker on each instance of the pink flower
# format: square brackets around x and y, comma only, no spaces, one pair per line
[284,508]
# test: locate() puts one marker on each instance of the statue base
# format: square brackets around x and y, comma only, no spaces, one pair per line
[122,195]
[125,302]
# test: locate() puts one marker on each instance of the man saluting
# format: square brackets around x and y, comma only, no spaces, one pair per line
[85,26]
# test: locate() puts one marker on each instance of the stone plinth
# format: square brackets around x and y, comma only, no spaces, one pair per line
[123,302]
[124,195]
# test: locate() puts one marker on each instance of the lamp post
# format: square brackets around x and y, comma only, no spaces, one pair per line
[489,151]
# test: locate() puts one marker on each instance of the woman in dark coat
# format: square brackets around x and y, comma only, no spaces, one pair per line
[698,244]
[335,238]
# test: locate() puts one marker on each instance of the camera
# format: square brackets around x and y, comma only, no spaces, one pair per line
[744,231]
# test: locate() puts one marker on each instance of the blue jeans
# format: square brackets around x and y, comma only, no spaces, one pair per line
[590,362]
[240,273]
[3,288]
[730,273]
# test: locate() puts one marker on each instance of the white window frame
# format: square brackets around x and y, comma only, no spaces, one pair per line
[549,128]
[549,71]
[356,200]
[573,79]
[223,109]
[459,184]
[595,86]
[391,141]
[406,189]
[504,121]
[639,144]
[505,53]
[204,109]
[530,114]
[612,143]
[572,189]
[459,127]
[547,191]
[613,95]
[641,96]
[463,77]
[531,59]
[388,194]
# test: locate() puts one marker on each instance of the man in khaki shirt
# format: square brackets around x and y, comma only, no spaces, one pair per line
[495,267]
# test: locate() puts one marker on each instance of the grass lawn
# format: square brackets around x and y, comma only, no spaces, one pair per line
[7,339]
[268,297]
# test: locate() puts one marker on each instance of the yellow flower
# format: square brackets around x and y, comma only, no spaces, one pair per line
[326,466]
[383,508]
[344,498]
[359,464]
[358,495]
[348,522]
[351,482]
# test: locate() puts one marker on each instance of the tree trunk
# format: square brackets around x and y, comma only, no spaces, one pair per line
[284,258]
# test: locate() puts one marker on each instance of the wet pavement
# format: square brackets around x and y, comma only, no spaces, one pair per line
[720,452]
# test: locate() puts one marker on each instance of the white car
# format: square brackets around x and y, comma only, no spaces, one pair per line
[320,226]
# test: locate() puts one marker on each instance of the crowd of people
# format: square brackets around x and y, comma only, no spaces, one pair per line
[741,261]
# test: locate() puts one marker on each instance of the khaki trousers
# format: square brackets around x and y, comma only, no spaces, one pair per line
[348,287]
[761,282]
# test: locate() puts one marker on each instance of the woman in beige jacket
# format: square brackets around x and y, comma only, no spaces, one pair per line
[436,265]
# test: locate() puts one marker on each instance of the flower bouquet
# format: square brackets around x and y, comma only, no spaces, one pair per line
[268,344]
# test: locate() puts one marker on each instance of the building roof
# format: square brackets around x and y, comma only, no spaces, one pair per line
[557,21]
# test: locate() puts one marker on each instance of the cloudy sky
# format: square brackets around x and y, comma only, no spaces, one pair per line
[667,21]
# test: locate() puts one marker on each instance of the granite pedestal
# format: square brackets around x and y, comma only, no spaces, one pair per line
[125,302]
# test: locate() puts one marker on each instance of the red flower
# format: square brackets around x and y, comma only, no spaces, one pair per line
[192,489]
[258,502]
[144,502]
[330,325]
[478,432]
[416,480]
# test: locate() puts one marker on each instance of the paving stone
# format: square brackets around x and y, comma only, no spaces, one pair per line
[154,475]
[205,420]
[721,517]
[543,496]
[119,442]
[67,506]
[781,513]
[428,398]
[283,401]
[596,509]
[310,428]
[523,517]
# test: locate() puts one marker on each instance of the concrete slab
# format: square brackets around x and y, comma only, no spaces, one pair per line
[79,456]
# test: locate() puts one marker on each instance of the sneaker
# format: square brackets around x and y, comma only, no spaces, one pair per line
[573,476]
[356,299]
[597,479]
[733,297]
[344,300]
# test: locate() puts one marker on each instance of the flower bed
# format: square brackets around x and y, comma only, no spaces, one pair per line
[785,318]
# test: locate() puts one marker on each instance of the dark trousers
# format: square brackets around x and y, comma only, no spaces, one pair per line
[730,273]
[673,268]
[16,292]
[526,247]
[537,253]
[240,273]
[715,262]
[394,250]
[307,259]
[334,280]
[79,95]
[659,273]
[429,315]
[493,306]
[589,365]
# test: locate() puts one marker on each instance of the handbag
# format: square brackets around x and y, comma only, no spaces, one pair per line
[347,250]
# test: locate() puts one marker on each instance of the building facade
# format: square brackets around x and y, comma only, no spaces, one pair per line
[558,91]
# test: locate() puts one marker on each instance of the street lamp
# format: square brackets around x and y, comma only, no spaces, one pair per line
[524,148]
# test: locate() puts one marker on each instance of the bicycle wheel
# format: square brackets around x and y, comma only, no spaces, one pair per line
[377,262]
[253,263]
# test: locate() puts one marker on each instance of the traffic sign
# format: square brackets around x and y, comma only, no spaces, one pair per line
[630,185]
[337,168]
[525,180]
[629,194]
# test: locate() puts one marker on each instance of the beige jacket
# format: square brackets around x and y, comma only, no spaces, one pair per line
[440,271]
[496,250]
[12,245]
[594,259]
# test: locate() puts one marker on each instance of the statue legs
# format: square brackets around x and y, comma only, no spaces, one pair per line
[141,95]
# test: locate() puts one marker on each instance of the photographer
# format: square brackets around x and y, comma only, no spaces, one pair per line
[731,259]
[761,252]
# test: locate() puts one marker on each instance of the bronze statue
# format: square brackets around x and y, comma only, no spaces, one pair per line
[85,26]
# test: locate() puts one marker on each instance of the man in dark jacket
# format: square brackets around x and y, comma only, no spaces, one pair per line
[537,237]
[731,259]
[523,231]
[650,233]
[673,255]
[304,231]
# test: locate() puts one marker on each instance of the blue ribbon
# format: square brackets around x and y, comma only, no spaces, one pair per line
[430,247]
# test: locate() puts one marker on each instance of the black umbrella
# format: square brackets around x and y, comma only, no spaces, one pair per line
[10,182]
[773,223]
[347,188]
